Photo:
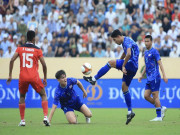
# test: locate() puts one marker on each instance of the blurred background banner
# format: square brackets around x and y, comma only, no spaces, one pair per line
[106,94]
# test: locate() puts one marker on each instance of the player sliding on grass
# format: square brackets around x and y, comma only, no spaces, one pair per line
[68,99]
[152,63]
[128,64]
[29,55]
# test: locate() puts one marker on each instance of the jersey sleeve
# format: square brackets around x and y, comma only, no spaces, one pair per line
[40,53]
[74,81]
[156,55]
[56,99]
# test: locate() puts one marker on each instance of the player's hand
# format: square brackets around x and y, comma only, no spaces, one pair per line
[9,80]
[124,70]
[85,94]
[140,78]
[45,82]
[165,79]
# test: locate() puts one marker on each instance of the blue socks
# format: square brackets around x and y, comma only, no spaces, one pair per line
[102,71]
[158,111]
[128,100]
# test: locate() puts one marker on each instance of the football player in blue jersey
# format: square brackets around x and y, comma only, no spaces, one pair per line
[128,64]
[68,99]
[152,64]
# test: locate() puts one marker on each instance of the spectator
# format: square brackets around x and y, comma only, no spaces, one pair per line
[22,8]
[174,53]
[139,16]
[80,16]
[109,52]
[75,7]
[110,15]
[106,25]
[12,27]
[93,51]
[37,15]
[22,40]
[74,52]
[166,46]
[166,24]
[100,53]
[150,6]
[158,44]
[14,44]
[100,6]
[16,16]
[22,28]
[131,9]
[8,15]
[47,34]
[119,52]
[176,14]
[172,32]
[33,24]
[100,16]
[148,16]
[53,14]
[156,26]
[9,53]
[177,43]
[54,45]
[52,26]
[5,43]
[26,17]
[126,26]
[38,5]
[96,24]
[60,52]
[48,7]
[4,24]
[91,15]
[49,53]
[88,5]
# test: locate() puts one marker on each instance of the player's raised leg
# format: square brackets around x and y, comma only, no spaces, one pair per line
[44,103]
[101,72]
[71,117]
[22,109]
[157,105]
[87,113]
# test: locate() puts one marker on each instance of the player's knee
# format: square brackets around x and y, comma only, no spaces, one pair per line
[89,115]
[146,97]
[111,63]
[72,121]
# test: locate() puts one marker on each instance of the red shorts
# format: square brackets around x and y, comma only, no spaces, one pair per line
[35,83]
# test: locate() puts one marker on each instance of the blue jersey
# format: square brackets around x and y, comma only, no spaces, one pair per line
[129,43]
[66,96]
[151,60]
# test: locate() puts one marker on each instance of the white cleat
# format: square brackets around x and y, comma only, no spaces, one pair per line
[157,119]
[88,120]
[22,123]
[46,121]
[163,110]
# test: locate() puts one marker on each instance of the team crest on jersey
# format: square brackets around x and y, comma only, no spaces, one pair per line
[70,87]
[149,55]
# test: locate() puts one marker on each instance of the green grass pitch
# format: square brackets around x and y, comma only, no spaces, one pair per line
[103,122]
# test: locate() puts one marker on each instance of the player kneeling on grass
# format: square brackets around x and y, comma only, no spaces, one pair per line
[69,100]
[152,63]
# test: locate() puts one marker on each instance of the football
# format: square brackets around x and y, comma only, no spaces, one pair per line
[86,68]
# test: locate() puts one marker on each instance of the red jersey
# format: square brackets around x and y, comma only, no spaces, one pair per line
[29,55]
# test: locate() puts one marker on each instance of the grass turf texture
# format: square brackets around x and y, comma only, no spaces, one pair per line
[103,122]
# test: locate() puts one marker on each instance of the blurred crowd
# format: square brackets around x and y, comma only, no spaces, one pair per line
[82,28]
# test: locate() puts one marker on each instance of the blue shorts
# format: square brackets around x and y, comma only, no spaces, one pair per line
[131,71]
[76,106]
[153,85]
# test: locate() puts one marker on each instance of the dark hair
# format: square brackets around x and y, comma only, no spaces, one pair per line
[59,73]
[30,35]
[116,33]
[149,36]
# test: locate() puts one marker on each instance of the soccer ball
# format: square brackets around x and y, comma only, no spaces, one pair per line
[86,68]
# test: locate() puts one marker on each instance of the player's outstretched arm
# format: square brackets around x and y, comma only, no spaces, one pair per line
[163,72]
[52,112]
[11,64]
[123,56]
[44,70]
[142,74]
[82,88]
[128,56]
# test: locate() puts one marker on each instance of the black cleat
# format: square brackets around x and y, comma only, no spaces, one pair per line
[130,117]
[89,79]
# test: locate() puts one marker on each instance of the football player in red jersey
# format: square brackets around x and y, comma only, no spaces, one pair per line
[29,55]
